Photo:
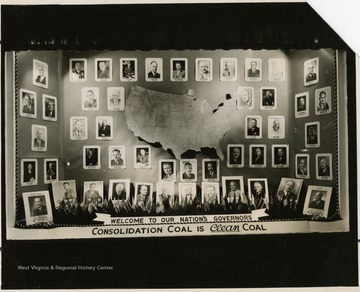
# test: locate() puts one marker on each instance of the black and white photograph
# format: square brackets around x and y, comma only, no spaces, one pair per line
[188,170]
[119,190]
[37,207]
[27,103]
[210,169]
[210,195]
[280,155]
[228,69]
[317,201]
[287,196]
[154,69]
[103,69]
[324,170]
[268,98]
[253,69]
[312,135]
[323,100]
[164,196]
[257,156]
[29,171]
[40,74]
[78,70]
[91,157]
[244,98]
[117,157]
[235,155]
[93,196]
[302,166]
[49,107]
[276,127]
[253,127]
[167,170]
[38,138]
[143,197]
[311,71]
[51,170]
[128,69]
[142,156]
[258,193]
[78,128]
[116,98]
[187,195]
[65,197]
[302,105]
[90,98]
[233,193]
[104,128]
[276,69]
[203,69]
[179,69]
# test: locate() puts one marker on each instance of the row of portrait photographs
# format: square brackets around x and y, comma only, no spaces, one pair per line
[90,98]
[322,102]
[178,69]
[29,171]
[28,105]
[232,198]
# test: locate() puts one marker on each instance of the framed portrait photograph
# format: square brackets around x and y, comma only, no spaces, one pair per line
[253,69]
[210,169]
[235,155]
[51,170]
[289,190]
[317,201]
[27,103]
[142,157]
[324,166]
[253,126]
[258,193]
[143,196]
[164,196]
[276,127]
[167,170]
[29,171]
[117,157]
[116,98]
[257,157]
[280,155]
[187,194]
[276,69]
[312,135]
[119,189]
[244,97]
[91,157]
[154,69]
[228,69]
[233,191]
[103,69]
[78,128]
[90,98]
[40,74]
[302,105]
[37,207]
[188,170]
[302,166]
[203,69]
[210,194]
[179,69]
[49,107]
[323,100]
[65,196]
[77,70]
[104,128]
[311,71]
[128,69]
[268,98]
[93,194]
[38,138]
